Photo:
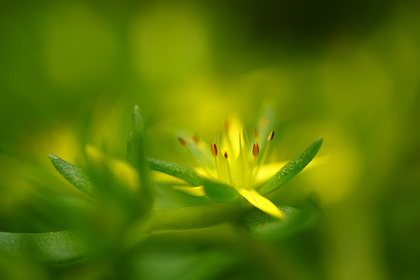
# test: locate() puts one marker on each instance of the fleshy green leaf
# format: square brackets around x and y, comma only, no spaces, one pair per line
[135,144]
[216,191]
[74,175]
[49,247]
[220,192]
[176,170]
[136,156]
[264,226]
[291,169]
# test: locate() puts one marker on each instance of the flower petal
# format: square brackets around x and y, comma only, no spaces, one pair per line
[195,191]
[261,203]
[268,170]
[233,128]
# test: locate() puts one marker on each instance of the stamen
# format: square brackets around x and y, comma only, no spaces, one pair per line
[242,160]
[214,153]
[269,138]
[255,153]
[245,137]
[185,144]
[217,136]
[195,138]
[226,125]
[241,153]
[182,141]
[226,128]
[255,149]
[255,134]
[228,168]
[214,149]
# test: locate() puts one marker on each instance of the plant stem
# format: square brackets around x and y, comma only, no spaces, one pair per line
[163,220]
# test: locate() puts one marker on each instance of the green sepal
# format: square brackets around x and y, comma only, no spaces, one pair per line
[266,227]
[75,175]
[136,156]
[220,192]
[291,169]
[176,170]
[57,247]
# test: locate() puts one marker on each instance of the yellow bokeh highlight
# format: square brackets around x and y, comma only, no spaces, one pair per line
[121,170]
[170,42]
[195,191]
[80,47]
[336,176]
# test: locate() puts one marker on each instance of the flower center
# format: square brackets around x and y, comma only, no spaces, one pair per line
[239,161]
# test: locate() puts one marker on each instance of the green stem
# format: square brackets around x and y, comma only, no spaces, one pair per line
[161,220]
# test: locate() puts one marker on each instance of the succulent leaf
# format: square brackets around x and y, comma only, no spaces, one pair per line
[291,169]
[75,175]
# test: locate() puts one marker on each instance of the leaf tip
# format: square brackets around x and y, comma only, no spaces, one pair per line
[136,109]
[318,142]
[52,157]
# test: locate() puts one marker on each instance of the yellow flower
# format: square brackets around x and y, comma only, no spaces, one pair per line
[235,161]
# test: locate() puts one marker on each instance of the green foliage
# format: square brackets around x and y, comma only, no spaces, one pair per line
[216,191]
[75,175]
[176,170]
[136,156]
[220,192]
[291,169]
[122,215]
[263,226]
[49,247]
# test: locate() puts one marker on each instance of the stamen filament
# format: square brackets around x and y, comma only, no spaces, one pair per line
[228,168]
[195,138]
[226,127]
[255,134]
[269,138]
[242,154]
[214,153]
[255,153]
[198,162]
[217,136]
[245,137]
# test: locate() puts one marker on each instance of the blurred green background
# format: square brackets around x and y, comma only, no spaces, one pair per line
[71,71]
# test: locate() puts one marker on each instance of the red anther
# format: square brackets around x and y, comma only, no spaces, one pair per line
[225,155]
[255,149]
[195,138]
[214,149]
[182,141]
